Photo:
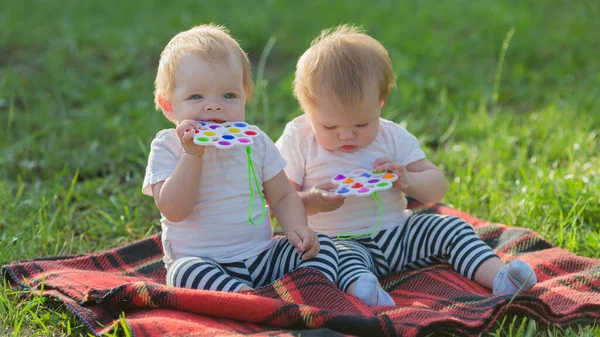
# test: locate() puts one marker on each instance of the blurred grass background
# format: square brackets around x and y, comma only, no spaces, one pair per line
[503,95]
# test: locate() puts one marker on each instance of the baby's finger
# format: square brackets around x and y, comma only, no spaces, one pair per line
[384,167]
[381,161]
[310,239]
[331,198]
[182,130]
[327,186]
[312,252]
[295,240]
[188,136]
[189,124]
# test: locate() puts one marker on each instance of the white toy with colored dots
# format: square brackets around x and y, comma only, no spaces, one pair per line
[363,182]
[225,135]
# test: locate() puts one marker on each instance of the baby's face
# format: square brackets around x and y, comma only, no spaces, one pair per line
[206,90]
[339,127]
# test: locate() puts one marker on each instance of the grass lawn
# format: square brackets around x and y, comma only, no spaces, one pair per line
[503,95]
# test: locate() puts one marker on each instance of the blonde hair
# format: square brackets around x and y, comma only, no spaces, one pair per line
[211,42]
[340,61]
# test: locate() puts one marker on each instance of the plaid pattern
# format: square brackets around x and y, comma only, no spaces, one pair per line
[98,287]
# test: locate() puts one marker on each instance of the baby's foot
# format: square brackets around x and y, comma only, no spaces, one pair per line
[512,277]
[368,290]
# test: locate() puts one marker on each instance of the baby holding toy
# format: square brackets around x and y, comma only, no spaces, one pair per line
[203,192]
[342,82]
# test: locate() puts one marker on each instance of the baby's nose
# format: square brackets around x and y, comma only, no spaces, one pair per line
[346,134]
[213,107]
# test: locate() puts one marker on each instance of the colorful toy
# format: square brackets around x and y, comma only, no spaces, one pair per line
[363,182]
[225,135]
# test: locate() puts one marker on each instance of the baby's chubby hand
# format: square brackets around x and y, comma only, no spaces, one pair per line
[387,164]
[305,240]
[185,132]
[324,201]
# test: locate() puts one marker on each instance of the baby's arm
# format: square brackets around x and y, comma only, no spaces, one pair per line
[420,179]
[176,196]
[290,213]
[426,182]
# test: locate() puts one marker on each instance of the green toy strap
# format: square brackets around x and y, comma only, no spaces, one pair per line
[343,236]
[252,173]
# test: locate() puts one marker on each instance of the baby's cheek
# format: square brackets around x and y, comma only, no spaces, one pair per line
[326,141]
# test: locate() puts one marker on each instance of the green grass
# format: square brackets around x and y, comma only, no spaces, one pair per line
[515,128]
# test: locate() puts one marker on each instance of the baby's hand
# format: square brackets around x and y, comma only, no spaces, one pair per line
[387,164]
[185,132]
[324,201]
[305,240]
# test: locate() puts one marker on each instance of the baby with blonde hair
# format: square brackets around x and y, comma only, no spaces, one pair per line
[208,213]
[342,83]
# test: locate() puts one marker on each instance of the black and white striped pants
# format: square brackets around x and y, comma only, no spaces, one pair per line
[268,266]
[425,239]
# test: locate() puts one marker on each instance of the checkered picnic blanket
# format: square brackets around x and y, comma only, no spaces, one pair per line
[99,287]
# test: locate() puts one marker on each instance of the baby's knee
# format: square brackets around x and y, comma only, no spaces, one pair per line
[457,222]
[327,247]
[185,265]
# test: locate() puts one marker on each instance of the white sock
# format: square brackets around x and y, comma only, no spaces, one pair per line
[368,290]
[512,277]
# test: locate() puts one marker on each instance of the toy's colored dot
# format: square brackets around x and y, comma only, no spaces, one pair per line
[244,140]
[228,137]
[196,131]
[357,185]
[388,176]
[373,181]
[202,123]
[339,177]
[240,125]
[234,130]
[343,190]
[348,181]
[378,172]
[203,139]
[214,126]
[251,133]
[366,175]
[224,143]
[363,190]
[220,121]
[383,184]
[209,133]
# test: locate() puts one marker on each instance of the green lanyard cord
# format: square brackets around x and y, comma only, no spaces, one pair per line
[252,173]
[343,236]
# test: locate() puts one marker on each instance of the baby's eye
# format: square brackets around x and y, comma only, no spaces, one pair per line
[329,127]
[362,125]
[229,95]
[196,96]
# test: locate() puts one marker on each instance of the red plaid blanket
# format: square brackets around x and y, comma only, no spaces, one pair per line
[98,287]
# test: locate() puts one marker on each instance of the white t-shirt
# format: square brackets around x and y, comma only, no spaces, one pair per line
[308,164]
[218,227]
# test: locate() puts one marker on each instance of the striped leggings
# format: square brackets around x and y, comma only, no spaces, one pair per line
[202,273]
[424,239]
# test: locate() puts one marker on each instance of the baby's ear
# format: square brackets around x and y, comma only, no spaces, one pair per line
[382,103]
[166,108]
